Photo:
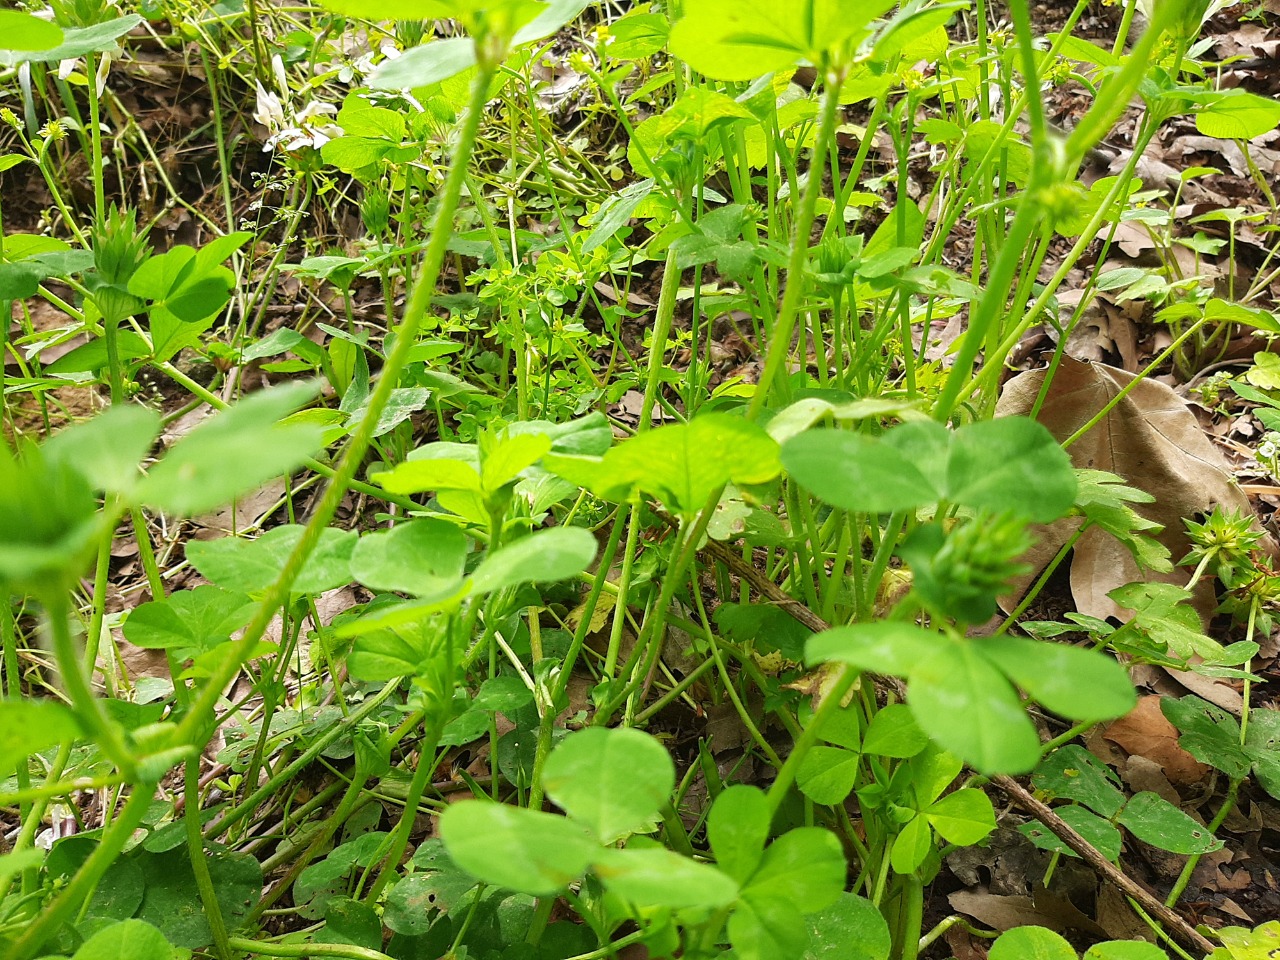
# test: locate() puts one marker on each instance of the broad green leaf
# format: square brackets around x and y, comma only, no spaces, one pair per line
[1076,683]
[200,299]
[762,929]
[738,826]
[1101,834]
[658,877]
[682,465]
[893,732]
[429,473]
[968,707]
[1154,820]
[352,922]
[1209,734]
[250,566]
[91,356]
[1031,943]
[107,449]
[964,817]
[233,452]
[134,939]
[509,457]
[22,31]
[1125,950]
[742,39]
[855,472]
[1073,773]
[424,557]
[1013,463]
[614,781]
[29,726]
[885,647]
[425,64]
[19,280]
[556,553]
[188,621]
[1237,114]
[76,42]
[1262,744]
[403,403]
[849,929]
[805,867]
[827,774]
[172,900]
[911,846]
[406,650]
[524,850]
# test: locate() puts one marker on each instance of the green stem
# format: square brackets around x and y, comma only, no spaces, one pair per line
[779,347]
[194,727]
[110,846]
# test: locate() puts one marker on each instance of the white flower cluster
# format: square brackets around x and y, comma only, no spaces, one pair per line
[289,128]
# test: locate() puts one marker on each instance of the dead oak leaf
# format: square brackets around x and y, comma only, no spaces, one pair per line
[1153,441]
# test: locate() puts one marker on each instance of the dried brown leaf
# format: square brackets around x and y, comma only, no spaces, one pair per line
[1155,443]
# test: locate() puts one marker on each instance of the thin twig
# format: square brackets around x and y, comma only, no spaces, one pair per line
[1173,922]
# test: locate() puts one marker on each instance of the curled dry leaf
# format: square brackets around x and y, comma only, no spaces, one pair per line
[1155,443]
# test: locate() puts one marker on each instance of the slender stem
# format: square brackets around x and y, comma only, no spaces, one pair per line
[110,845]
[194,726]
[779,347]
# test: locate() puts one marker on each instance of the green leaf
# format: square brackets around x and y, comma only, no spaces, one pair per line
[134,939]
[1031,943]
[425,64]
[893,732]
[1154,820]
[188,621]
[1262,744]
[250,566]
[172,900]
[849,929]
[22,31]
[1237,114]
[1209,734]
[107,449]
[614,781]
[19,280]
[29,726]
[886,647]
[352,922]
[1073,773]
[408,650]
[76,42]
[524,850]
[738,826]
[1125,950]
[742,39]
[556,553]
[1101,834]
[967,706]
[1013,463]
[855,472]
[424,557]
[964,817]
[658,877]
[233,452]
[912,845]
[805,867]
[827,774]
[1076,683]
[682,465]
[762,929]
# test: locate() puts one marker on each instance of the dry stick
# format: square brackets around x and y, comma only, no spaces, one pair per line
[1173,922]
